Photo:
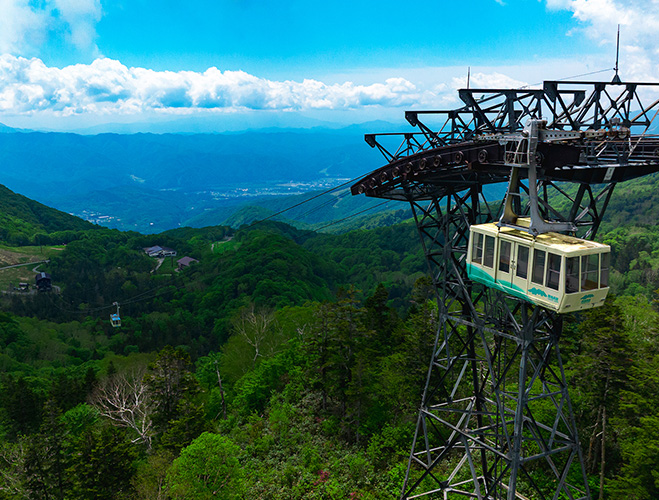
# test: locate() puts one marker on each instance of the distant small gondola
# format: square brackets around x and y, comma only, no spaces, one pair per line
[552,270]
[115,319]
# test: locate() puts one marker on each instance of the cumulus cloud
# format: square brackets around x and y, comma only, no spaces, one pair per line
[108,87]
[26,25]
[639,30]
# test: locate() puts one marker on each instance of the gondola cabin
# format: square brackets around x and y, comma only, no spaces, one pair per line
[115,320]
[552,270]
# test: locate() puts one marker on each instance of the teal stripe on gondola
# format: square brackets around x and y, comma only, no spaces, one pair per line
[477,274]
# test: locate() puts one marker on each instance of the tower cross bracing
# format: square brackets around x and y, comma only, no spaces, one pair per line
[495,420]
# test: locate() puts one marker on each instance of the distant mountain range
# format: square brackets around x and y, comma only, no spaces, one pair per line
[150,182]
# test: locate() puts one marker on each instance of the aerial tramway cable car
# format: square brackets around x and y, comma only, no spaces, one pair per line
[115,319]
[552,270]
[529,257]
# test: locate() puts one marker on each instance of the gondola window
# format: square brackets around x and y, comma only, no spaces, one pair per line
[554,271]
[488,257]
[589,271]
[477,250]
[538,273]
[572,275]
[604,274]
[522,262]
[504,257]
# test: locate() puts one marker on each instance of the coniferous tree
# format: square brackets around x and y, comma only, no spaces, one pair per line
[602,373]
[173,387]
[102,464]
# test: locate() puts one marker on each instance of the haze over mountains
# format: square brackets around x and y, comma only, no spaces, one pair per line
[150,182]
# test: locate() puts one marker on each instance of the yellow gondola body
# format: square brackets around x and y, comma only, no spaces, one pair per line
[552,270]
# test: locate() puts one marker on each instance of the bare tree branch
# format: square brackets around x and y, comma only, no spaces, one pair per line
[254,327]
[126,402]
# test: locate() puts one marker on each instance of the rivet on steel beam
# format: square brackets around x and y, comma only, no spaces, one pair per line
[482,156]
[459,156]
[361,189]
[373,183]
[408,167]
[383,177]
[396,171]
[422,163]
[437,161]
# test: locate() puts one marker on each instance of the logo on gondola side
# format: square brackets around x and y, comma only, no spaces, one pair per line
[542,293]
[586,298]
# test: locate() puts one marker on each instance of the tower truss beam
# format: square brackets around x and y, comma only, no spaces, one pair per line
[496,421]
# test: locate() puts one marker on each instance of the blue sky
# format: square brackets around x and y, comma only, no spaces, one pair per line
[72,64]
[275,38]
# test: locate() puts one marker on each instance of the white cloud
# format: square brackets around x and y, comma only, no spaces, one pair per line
[493,80]
[25,25]
[28,86]
[21,26]
[107,87]
[639,31]
[79,18]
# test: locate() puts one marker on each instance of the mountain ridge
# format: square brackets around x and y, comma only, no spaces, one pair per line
[63,170]
[22,220]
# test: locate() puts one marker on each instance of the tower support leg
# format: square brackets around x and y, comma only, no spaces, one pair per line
[495,421]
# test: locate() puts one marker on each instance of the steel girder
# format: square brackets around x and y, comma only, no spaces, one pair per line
[565,105]
[495,420]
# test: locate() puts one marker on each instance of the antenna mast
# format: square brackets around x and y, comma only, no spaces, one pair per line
[616,78]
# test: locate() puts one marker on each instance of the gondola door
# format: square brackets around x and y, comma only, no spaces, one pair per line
[519,271]
[505,264]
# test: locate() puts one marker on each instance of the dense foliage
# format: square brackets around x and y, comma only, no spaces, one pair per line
[24,221]
[284,364]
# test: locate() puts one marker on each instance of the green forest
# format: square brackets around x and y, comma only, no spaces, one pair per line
[284,364]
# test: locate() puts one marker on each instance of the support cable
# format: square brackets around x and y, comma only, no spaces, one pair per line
[353,215]
[328,191]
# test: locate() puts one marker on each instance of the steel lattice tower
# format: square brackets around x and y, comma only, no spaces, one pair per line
[495,420]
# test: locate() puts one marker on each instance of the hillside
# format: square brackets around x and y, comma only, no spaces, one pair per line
[634,202]
[289,360]
[21,219]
